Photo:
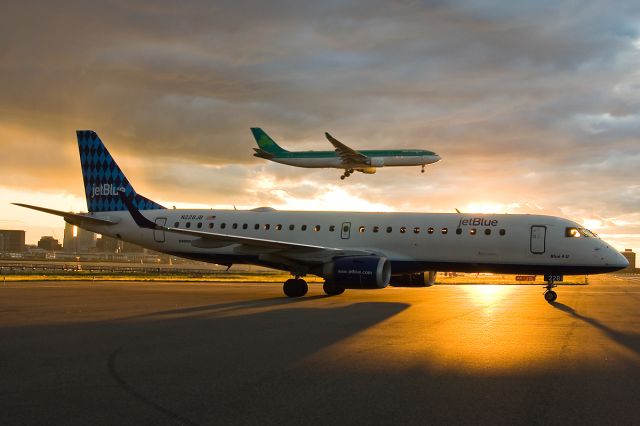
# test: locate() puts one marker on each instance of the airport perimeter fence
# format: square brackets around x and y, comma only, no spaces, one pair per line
[75,268]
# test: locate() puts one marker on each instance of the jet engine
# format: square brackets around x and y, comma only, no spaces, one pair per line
[367,170]
[358,272]
[422,279]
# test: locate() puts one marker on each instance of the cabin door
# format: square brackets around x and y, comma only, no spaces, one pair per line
[346,230]
[538,236]
[158,235]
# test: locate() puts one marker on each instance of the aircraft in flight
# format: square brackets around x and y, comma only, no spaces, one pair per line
[350,250]
[343,157]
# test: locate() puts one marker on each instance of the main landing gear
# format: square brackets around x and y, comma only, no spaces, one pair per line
[346,174]
[550,295]
[295,287]
[332,289]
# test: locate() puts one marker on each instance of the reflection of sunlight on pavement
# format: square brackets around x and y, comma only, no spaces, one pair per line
[484,329]
[487,295]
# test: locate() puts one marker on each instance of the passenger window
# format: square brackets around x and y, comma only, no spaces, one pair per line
[502,232]
[223,225]
[571,232]
[177,224]
[292,227]
[316,228]
[376,228]
[429,230]
[278,227]
[303,227]
[267,227]
[445,230]
[361,229]
[459,231]
[332,228]
[473,231]
[416,230]
[487,231]
[403,229]
[245,226]
[199,225]
[256,226]
[211,225]
[188,225]
[235,226]
[389,229]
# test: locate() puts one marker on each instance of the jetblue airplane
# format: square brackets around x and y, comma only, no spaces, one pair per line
[342,158]
[349,250]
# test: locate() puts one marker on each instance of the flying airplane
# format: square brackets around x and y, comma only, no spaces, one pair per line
[349,250]
[342,157]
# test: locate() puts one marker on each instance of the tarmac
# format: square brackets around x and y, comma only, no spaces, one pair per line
[242,354]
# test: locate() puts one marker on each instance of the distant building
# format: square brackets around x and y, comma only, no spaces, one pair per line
[631,257]
[106,244]
[77,240]
[49,244]
[11,241]
[131,248]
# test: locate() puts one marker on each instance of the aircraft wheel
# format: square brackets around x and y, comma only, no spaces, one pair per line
[331,289]
[550,296]
[295,287]
[342,177]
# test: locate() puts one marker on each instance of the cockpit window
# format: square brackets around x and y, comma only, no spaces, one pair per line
[579,232]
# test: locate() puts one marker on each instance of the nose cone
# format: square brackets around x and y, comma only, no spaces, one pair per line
[436,158]
[615,259]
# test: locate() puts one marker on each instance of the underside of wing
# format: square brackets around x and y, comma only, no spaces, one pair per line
[72,218]
[348,155]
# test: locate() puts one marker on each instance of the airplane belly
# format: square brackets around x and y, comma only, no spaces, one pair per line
[404,161]
[331,162]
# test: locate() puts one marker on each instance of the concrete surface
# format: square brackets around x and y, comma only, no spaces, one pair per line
[172,353]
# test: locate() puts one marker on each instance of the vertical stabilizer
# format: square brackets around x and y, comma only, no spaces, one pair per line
[103,179]
[265,142]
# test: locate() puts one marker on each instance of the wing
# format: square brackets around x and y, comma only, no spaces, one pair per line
[348,155]
[72,218]
[305,253]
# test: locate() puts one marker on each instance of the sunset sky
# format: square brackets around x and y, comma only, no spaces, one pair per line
[533,106]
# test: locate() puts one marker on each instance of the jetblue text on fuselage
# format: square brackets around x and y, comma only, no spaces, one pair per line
[478,221]
[104,190]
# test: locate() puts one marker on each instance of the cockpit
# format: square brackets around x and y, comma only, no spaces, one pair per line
[572,232]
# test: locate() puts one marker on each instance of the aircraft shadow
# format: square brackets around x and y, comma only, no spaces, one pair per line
[628,340]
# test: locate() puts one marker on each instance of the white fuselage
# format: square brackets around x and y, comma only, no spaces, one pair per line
[412,242]
[336,162]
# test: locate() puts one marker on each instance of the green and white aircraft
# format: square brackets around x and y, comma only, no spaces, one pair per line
[343,157]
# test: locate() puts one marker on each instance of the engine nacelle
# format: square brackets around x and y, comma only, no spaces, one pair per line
[367,170]
[358,272]
[422,279]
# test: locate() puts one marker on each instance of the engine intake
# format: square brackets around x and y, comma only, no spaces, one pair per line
[358,272]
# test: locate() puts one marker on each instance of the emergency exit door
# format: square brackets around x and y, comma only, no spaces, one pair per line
[346,230]
[538,236]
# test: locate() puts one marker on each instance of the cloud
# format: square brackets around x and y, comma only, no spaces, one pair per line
[528,104]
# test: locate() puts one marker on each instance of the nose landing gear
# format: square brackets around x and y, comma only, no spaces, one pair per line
[550,295]
[422,171]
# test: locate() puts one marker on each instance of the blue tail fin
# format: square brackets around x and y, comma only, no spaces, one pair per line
[103,179]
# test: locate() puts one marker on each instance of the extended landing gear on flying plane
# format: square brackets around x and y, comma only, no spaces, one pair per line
[332,289]
[422,171]
[346,174]
[550,295]
[295,287]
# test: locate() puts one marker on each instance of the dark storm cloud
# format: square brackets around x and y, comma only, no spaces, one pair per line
[537,98]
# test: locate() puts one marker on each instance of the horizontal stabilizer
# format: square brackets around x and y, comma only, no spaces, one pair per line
[72,218]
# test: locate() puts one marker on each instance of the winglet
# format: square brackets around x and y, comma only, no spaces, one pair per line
[138,218]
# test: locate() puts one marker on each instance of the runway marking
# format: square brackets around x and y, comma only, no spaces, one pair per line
[111,364]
